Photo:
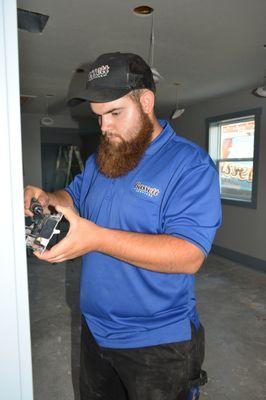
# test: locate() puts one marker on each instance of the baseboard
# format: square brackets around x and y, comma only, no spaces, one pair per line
[249,261]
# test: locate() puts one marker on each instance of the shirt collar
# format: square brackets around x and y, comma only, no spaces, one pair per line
[166,133]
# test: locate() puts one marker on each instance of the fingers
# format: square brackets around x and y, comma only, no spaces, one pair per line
[38,194]
[56,252]
[47,257]
[62,251]
[28,194]
[28,213]
[53,257]
[75,243]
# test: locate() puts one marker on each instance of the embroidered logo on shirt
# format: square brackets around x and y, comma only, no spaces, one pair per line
[99,72]
[145,189]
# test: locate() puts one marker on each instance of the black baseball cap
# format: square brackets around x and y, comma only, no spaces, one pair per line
[113,75]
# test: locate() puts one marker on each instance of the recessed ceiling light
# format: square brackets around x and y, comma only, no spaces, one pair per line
[143,10]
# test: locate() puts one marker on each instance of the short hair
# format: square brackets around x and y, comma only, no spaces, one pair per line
[135,95]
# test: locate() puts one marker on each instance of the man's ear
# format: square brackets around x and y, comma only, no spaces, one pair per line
[147,100]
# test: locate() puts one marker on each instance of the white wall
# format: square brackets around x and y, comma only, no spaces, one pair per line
[243,229]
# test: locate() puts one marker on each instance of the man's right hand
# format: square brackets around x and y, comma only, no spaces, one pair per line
[41,196]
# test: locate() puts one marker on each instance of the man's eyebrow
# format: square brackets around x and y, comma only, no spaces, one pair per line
[107,112]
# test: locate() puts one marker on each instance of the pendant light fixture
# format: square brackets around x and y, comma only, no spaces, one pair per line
[46,120]
[177,112]
[156,75]
[260,91]
[146,11]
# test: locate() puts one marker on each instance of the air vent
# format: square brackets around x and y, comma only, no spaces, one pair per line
[31,21]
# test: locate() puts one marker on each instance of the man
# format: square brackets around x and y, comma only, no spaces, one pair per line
[149,206]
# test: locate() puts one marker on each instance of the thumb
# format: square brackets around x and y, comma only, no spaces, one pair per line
[68,212]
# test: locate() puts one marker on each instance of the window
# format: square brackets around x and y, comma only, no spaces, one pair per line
[233,145]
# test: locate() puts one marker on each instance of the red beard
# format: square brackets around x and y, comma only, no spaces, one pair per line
[116,160]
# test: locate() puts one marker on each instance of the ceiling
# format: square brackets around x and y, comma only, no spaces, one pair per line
[210,47]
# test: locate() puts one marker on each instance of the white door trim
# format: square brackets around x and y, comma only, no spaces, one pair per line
[15,344]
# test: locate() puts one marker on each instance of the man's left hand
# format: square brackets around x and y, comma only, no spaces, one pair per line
[81,238]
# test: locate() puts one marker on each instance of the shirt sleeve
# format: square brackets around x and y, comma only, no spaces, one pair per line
[193,207]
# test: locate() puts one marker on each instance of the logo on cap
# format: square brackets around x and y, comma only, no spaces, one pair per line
[99,72]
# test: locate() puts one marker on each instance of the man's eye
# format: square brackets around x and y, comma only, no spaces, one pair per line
[115,113]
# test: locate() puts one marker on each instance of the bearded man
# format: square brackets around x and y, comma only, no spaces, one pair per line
[148,208]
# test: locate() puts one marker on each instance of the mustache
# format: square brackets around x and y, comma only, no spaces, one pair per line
[108,135]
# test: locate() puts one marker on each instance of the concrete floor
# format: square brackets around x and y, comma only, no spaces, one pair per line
[231,302]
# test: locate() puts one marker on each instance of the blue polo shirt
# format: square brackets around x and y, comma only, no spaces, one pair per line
[174,190]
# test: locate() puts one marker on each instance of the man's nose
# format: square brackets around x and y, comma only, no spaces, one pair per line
[104,122]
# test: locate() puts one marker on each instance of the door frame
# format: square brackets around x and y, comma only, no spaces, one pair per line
[15,343]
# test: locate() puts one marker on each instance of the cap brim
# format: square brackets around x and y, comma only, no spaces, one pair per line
[97,95]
